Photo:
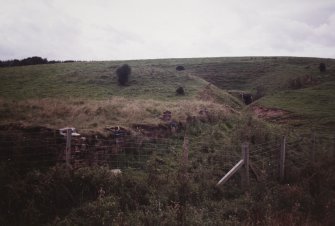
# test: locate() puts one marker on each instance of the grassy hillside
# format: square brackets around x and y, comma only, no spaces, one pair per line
[167,178]
[312,107]
[288,83]
[247,73]
[307,97]
[86,95]
[292,84]
[94,80]
[158,78]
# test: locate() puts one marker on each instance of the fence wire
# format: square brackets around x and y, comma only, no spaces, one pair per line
[135,151]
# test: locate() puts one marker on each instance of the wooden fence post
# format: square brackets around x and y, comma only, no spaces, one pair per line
[245,157]
[185,151]
[231,172]
[184,160]
[68,147]
[282,159]
[313,146]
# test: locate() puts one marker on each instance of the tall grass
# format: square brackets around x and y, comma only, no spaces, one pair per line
[96,114]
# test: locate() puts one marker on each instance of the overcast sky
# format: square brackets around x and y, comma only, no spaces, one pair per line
[142,29]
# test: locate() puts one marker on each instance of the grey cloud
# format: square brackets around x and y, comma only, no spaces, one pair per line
[129,29]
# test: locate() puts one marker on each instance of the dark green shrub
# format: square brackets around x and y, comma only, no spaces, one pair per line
[180,91]
[322,67]
[123,74]
[180,68]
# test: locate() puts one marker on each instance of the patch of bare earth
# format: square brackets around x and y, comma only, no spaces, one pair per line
[269,113]
[278,116]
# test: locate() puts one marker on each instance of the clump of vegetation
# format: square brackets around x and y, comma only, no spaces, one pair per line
[31,61]
[163,194]
[247,98]
[27,61]
[180,68]
[123,74]
[180,91]
[322,67]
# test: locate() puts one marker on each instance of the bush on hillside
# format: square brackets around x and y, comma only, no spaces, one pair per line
[180,68]
[180,91]
[247,98]
[123,73]
[322,67]
[35,60]
[27,61]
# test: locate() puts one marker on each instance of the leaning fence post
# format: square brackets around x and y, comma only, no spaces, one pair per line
[245,157]
[68,147]
[282,159]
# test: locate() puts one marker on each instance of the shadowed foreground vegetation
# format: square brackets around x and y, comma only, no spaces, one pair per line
[163,193]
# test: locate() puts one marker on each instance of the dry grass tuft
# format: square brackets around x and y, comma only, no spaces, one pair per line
[96,114]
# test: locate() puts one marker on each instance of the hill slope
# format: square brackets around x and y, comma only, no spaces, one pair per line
[292,84]
[86,94]
[168,179]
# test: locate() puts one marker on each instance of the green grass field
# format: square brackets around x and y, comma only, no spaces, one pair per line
[95,80]
[314,105]
[157,80]
[86,94]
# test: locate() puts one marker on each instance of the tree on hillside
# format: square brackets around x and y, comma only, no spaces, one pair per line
[123,73]
[27,61]
[34,60]
[322,67]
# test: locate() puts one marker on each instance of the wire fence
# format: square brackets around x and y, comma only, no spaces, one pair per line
[138,152]
[207,160]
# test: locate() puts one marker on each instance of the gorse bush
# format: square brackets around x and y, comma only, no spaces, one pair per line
[180,91]
[123,74]
[322,67]
[180,68]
